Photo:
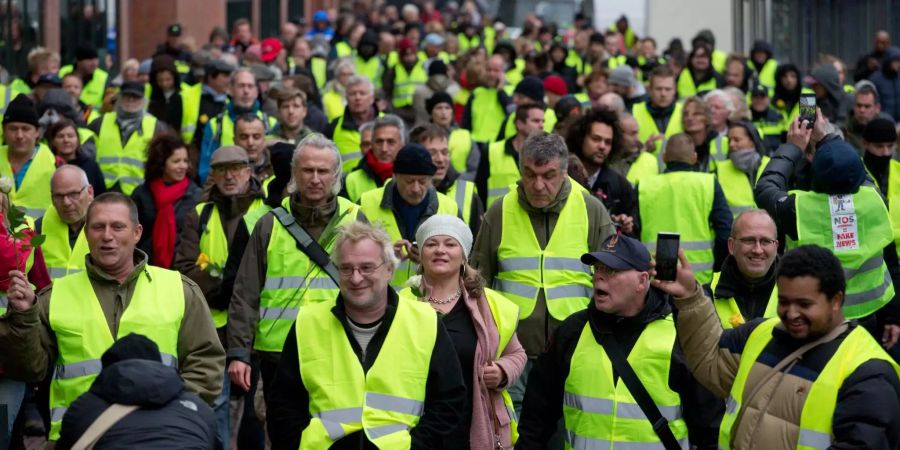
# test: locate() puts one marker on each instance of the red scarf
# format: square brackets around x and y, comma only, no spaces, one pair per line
[383,170]
[164,234]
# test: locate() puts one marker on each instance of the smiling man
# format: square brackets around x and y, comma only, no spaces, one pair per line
[807,379]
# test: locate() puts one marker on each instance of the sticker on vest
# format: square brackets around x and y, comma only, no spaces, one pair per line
[844,228]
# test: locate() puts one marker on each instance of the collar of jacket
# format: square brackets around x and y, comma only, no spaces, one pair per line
[350,123]
[554,207]
[231,206]
[387,200]
[732,283]
[97,274]
[677,166]
[447,182]
[230,107]
[656,306]
[340,310]
[309,216]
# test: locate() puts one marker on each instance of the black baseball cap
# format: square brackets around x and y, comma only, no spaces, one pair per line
[620,252]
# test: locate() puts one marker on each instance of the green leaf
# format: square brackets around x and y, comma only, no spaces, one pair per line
[37,240]
[19,235]
[16,216]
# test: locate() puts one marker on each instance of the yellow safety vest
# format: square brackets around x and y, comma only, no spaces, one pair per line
[736,186]
[719,60]
[687,88]
[373,69]
[727,308]
[461,191]
[214,243]
[293,282]
[406,82]
[467,43]
[344,398]
[856,227]
[893,196]
[460,145]
[93,91]
[82,335]
[357,183]
[487,114]
[319,68]
[766,76]
[123,164]
[343,49]
[347,142]
[19,86]
[370,204]
[504,172]
[602,413]
[509,130]
[190,111]
[333,102]
[818,410]
[34,192]
[62,259]
[688,200]
[647,126]
[645,166]
[222,127]
[718,151]
[523,268]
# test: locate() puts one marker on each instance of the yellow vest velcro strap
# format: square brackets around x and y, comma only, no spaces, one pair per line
[394,404]
[273,313]
[872,294]
[520,263]
[333,419]
[872,263]
[56,272]
[188,128]
[515,288]
[814,439]
[121,160]
[572,290]
[378,432]
[685,245]
[560,263]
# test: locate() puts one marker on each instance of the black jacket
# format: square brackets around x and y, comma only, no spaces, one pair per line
[143,198]
[169,417]
[288,407]
[543,404]
[752,298]
[474,219]
[92,169]
[617,194]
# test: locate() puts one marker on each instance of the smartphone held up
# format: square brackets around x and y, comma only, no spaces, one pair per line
[667,255]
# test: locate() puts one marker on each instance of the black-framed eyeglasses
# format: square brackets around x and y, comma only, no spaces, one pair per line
[69,195]
[751,242]
[365,269]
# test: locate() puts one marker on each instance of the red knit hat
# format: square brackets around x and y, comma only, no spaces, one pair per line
[555,85]
[269,49]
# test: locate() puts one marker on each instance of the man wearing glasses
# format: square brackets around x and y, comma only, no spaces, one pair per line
[63,223]
[745,287]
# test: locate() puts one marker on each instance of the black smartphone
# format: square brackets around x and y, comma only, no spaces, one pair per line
[808,109]
[667,255]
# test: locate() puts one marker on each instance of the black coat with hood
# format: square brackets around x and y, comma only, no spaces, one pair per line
[887,81]
[168,417]
[166,109]
[784,98]
[837,104]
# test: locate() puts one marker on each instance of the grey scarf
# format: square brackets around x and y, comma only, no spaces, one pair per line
[128,122]
[746,161]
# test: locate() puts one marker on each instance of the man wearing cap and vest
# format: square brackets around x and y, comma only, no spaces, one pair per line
[659,118]
[808,379]
[464,154]
[284,267]
[344,130]
[842,212]
[446,179]
[744,288]
[220,130]
[402,79]
[577,379]
[24,160]
[694,206]
[65,332]
[63,225]
[498,169]
[404,203]
[377,164]
[487,106]
[530,242]
[94,79]
[388,376]
[122,139]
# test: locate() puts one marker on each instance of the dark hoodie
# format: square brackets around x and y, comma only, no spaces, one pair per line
[168,417]
[785,99]
[368,45]
[60,101]
[544,393]
[837,104]
[168,110]
[703,76]
[887,82]
[760,46]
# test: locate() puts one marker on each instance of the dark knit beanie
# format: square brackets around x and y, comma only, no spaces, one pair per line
[837,169]
[531,87]
[22,110]
[437,67]
[879,131]
[413,159]
[436,99]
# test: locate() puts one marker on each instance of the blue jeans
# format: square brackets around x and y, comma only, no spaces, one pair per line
[11,395]
[220,406]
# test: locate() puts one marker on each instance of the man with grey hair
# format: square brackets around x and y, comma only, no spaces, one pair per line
[377,165]
[531,242]
[285,265]
[420,394]
[63,224]
[344,130]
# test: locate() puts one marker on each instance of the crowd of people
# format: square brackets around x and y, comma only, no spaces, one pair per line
[407,227]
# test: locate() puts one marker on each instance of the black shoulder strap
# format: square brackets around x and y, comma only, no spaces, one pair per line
[306,243]
[639,392]
[205,214]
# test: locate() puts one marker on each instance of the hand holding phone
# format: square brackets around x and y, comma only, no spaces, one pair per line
[807,106]
[667,256]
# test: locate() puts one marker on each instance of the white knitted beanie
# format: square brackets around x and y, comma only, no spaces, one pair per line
[446,225]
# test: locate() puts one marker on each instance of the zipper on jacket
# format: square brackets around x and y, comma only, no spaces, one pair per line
[546,298]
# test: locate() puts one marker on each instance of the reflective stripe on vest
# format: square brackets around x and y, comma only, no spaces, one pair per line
[463,197]
[602,413]
[524,268]
[123,164]
[293,280]
[406,82]
[727,308]
[344,399]
[867,290]
[688,197]
[736,186]
[370,204]
[214,244]
[821,400]
[61,258]
[33,193]
[82,334]
[504,172]
[487,114]
[647,126]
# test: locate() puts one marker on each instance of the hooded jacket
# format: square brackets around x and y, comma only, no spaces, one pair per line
[785,99]
[60,101]
[887,81]
[837,104]
[166,109]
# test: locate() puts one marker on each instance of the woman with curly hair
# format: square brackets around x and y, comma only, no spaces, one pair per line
[165,197]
